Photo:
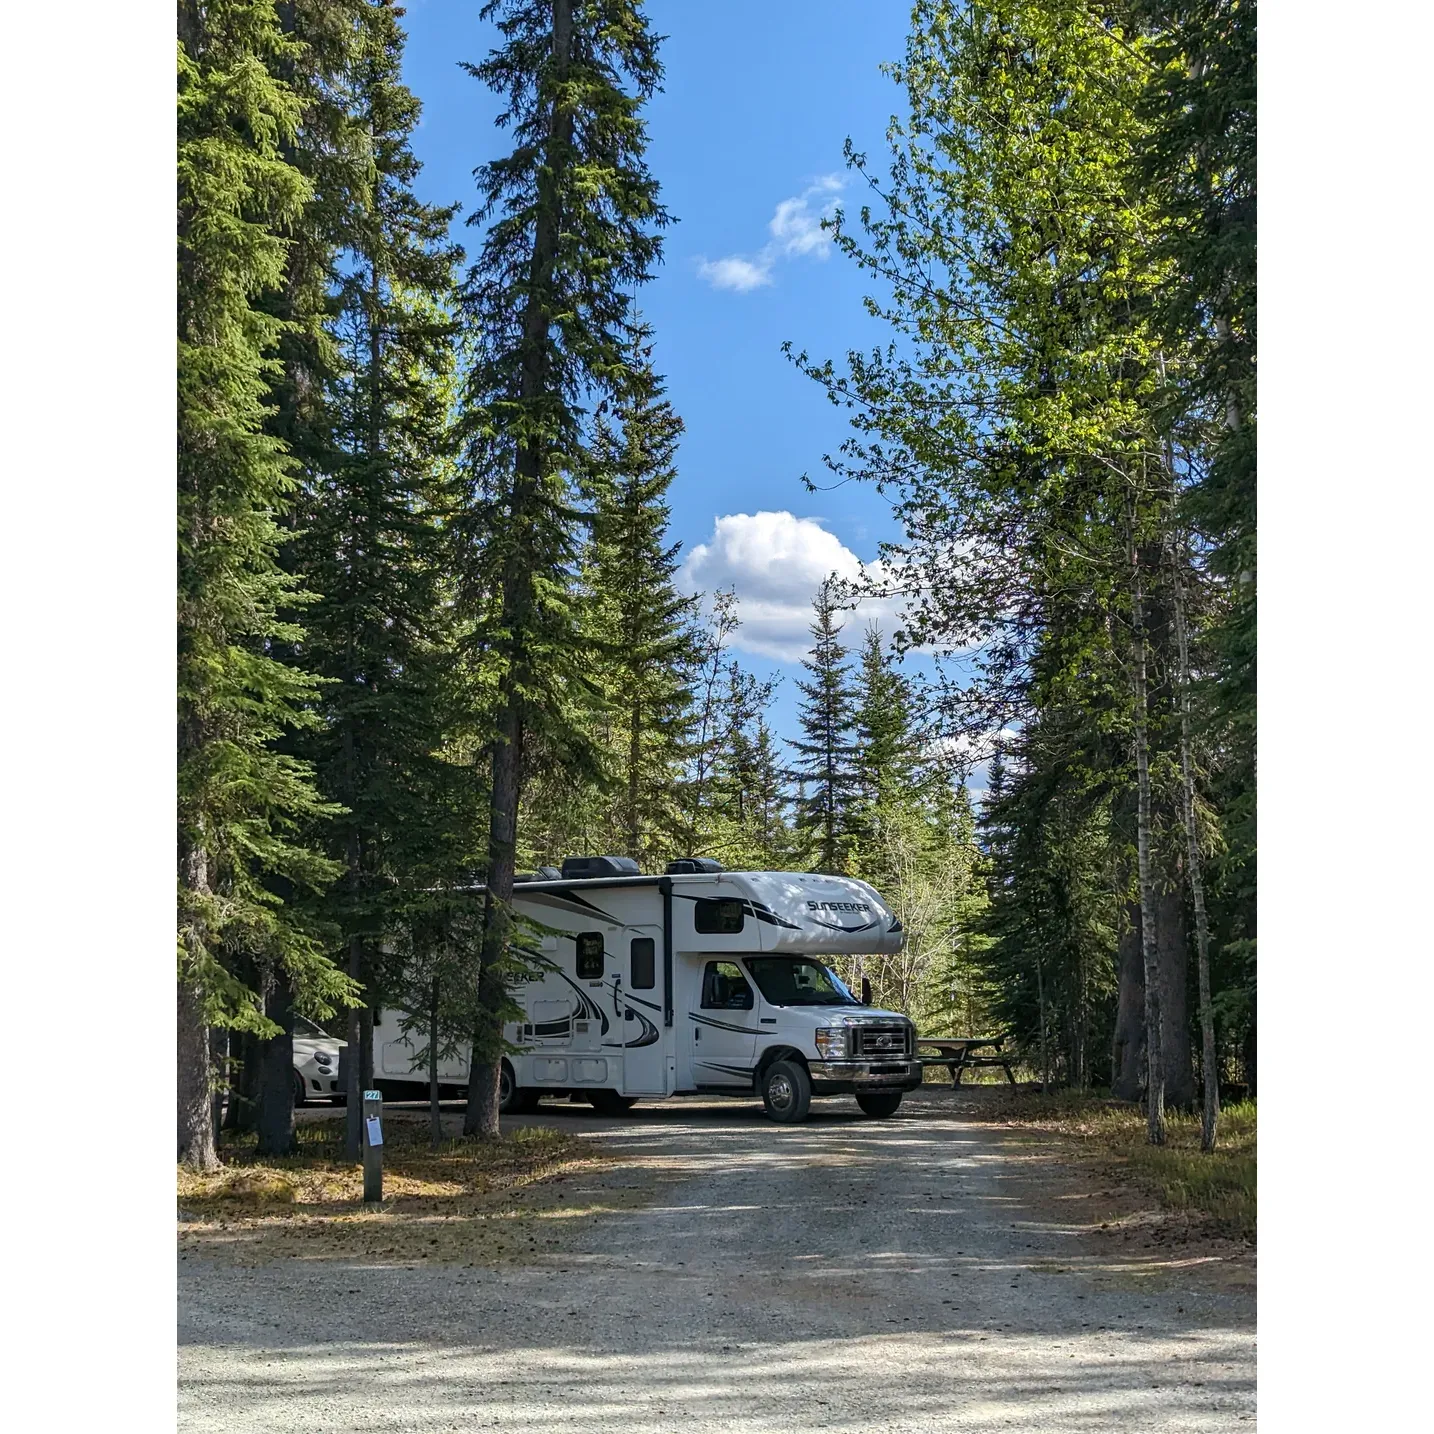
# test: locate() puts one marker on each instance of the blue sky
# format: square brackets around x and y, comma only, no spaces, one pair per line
[746,141]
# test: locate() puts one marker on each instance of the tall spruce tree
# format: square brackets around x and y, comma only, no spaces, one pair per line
[826,765]
[640,626]
[375,542]
[571,215]
[331,148]
[243,807]
[886,739]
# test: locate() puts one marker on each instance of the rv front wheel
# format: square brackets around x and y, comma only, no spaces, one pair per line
[787,1092]
[880,1104]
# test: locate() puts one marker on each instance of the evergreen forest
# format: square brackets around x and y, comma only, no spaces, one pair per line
[430,629]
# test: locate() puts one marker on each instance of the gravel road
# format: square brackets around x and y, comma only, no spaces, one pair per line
[919,1274]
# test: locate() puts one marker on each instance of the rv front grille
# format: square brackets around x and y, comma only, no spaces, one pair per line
[887,1039]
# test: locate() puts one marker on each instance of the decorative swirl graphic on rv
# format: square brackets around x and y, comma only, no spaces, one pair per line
[587,1007]
[647,1033]
[646,1036]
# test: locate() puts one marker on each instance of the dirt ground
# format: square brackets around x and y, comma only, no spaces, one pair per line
[709,1270]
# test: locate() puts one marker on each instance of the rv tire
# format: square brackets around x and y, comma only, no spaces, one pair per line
[507,1090]
[880,1104]
[787,1092]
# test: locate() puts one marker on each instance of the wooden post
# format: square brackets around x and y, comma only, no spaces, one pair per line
[372,1146]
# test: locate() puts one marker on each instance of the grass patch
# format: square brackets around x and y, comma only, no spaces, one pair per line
[1221,1185]
[459,1202]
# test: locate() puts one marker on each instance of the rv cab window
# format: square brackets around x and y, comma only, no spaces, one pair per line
[719,918]
[589,955]
[725,988]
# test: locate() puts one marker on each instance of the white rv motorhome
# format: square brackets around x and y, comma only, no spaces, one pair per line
[697,981]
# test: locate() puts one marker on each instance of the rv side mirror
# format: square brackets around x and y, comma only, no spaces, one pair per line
[865,991]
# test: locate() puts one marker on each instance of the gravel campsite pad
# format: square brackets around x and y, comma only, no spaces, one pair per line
[710,1271]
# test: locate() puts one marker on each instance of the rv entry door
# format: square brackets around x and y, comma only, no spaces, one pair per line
[637,998]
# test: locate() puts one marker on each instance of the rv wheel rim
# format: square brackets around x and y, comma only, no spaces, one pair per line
[780,1091]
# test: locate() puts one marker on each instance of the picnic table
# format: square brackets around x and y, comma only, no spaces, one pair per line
[959,1053]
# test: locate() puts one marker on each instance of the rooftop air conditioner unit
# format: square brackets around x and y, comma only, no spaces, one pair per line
[693,866]
[575,868]
[543,873]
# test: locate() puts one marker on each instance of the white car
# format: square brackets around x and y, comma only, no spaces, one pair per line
[316,1064]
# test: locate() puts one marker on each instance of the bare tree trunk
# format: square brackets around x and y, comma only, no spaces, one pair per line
[1041,1003]
[481,1117]
[435,1120]
[196,1117]
[193,1086]
[351,1065]
[1173,944]
[366,1047]
[276,1077]
[1209,1061]
[219,1074]
[234,1065]
[244,1048]
[244,1092]
[1155,1077]
[1127,1056]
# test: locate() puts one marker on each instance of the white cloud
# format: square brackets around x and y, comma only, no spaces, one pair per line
[775,562]
[735,272]
[796,230]
[797,226]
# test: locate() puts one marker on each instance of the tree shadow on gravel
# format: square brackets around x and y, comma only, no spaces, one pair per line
[961,1379]
[718,1272]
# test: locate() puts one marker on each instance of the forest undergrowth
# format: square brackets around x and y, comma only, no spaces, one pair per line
[1221,1185]
[464,1198]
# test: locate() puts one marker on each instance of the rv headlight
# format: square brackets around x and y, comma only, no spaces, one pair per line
[831,1042]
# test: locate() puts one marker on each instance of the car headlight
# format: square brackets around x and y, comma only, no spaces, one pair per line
[323,1057]
[831,1042]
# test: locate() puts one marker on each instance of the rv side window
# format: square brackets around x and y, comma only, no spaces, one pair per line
[589,955]
[725,988]
[719,918]
[644,963]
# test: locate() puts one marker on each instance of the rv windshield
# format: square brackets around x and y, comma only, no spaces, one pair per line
[798,981]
